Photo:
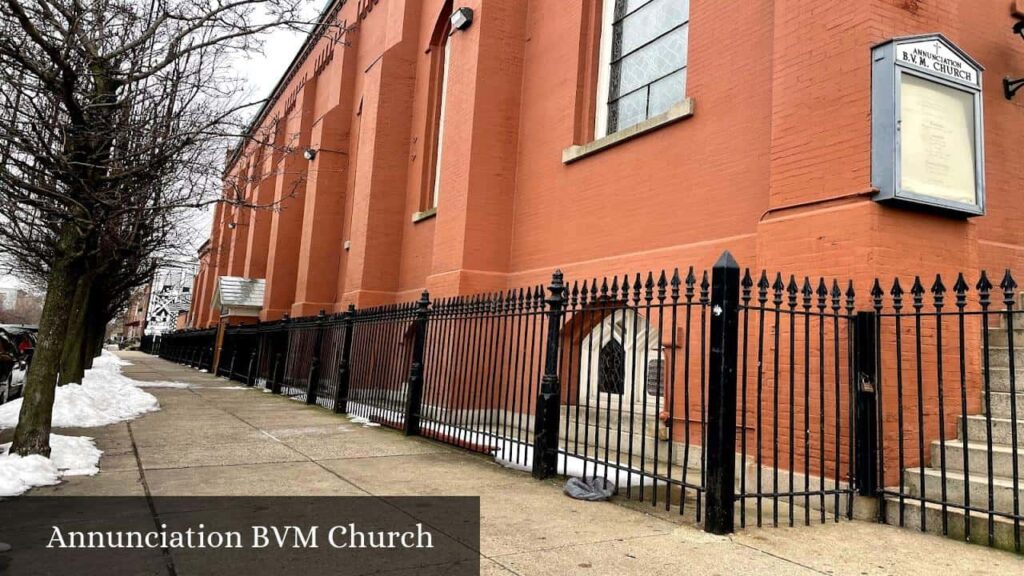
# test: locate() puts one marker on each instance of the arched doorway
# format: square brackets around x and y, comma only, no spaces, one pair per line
[621,363]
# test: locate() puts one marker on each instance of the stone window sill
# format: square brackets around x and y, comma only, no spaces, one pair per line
[678,112]
[424,215]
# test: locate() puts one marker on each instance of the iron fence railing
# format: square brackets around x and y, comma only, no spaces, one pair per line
[950,368]
[483,359]
[191,347]
[700,390]
[795,396]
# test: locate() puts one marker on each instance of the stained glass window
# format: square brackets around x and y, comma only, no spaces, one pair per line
[611,375]
[647,59]
[655,377]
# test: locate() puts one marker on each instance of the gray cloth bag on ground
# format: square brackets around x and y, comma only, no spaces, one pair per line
[594,488]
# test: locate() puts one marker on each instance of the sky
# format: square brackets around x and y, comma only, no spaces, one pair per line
[263,71]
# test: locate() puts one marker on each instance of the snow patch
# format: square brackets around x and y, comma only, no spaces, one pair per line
[69,456]
[104,397]
[509,452]
[365,422]
[516,455]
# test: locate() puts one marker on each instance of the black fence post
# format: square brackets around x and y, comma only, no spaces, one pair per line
[313,384]
[250,379]
[277,375]
[344,370]
[721,433]
[545,438]
[866,407]
[280,359]
[231,364]
[414,395]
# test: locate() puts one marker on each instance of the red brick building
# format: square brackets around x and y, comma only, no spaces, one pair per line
[604,137]
[482,159]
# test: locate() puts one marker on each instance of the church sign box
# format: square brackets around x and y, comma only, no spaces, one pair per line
[927,131]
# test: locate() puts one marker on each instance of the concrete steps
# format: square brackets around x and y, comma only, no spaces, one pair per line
[1002,430]
[931,488]
[977,458]
[1001,404]
[957,523]
[999,336]
[648,459]
[957,487]
[612,418]
[999,356]
[999,378]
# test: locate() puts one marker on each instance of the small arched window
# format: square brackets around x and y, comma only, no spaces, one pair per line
[611,375]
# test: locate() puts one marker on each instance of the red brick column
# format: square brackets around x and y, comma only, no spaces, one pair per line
[289,193]
[481,128]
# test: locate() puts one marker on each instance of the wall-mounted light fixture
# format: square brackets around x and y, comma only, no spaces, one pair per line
[461,19]
[310,153]
[1012,85]
[233,225]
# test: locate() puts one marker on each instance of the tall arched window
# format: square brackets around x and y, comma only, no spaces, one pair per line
[440,65]
[435,191]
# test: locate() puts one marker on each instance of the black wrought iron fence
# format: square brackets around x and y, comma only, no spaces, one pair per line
[150,344]
[238,351]
[634,385]
[191,347]
[483,359]
[769,398]
[796,436]
[950,368]
[271,349]
[304,336]
[632,378]
[383,345]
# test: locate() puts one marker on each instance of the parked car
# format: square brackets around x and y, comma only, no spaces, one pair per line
[8,366]
[17,345]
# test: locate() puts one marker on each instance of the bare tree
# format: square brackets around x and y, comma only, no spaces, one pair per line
[115,116]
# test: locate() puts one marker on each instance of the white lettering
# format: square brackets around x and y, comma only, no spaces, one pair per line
[259,537]
[299,539]
[349,536]
[58,536]
[330,537]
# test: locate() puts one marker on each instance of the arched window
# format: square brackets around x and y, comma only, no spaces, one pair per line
[611,374]
[440,50]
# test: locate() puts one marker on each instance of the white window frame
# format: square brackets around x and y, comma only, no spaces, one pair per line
[604,71]
[435,192]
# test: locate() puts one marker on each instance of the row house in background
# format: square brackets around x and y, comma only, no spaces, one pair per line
[154,308]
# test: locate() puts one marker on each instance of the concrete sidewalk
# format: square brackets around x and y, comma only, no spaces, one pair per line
[218,439]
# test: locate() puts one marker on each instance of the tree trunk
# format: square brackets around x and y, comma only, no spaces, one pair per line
[96,318]
[95,330]
[73,356]
[32,435]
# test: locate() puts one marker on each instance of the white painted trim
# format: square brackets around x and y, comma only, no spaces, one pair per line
[446,65]
[604,70]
